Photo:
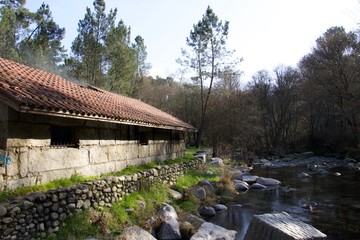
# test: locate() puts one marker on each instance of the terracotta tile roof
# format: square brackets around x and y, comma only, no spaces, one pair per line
[31,90]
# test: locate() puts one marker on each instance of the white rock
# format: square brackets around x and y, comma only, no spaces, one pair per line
[217,161]
[167,211]
[135,233]
[175,194]
[211,231]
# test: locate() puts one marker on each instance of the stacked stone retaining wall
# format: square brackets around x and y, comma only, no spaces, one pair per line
[40,214]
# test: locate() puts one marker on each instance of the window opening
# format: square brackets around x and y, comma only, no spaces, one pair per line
[62,136]
[143,139]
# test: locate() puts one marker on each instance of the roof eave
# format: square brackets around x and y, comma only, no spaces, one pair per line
[26,109]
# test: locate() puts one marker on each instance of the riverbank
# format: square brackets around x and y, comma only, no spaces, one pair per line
[224,194]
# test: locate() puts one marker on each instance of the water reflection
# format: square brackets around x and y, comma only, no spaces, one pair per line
[329,203]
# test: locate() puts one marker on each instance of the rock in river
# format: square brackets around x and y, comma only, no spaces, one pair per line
[268,181]
[211,231]
[257,186]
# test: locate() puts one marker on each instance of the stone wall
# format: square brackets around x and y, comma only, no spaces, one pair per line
[40,214]
[101,147]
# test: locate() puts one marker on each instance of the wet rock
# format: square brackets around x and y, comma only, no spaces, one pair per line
[262,163]
[241,186]
[322,172]
[211,231]
[207,211]
[219,207]
[287,189]
[268,181]
[257,186]
[135,233]
[304,175]
[240,175]
[200,193]
[350,160]
[170,229]
[249,178]
[307,204]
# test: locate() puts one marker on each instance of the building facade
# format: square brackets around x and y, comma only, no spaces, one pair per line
[51,128]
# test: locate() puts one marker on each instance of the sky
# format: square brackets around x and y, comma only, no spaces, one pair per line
[265,33]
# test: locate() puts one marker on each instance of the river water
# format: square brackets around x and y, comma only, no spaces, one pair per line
[329,203]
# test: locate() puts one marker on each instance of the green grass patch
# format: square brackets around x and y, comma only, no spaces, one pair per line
[78,226]
[192,177]
[143,204]
[133,169]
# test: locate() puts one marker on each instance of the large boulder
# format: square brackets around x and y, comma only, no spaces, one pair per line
[211,231]
[268,181]
[135,233]
[169,230]
[280,226]
[167,211]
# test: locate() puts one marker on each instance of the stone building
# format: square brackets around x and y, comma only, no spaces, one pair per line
[51,128]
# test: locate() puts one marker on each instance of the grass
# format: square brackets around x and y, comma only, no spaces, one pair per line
[192,177]
[77,227]
[143,204]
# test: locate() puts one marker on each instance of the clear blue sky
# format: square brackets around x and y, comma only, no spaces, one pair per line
[265,33]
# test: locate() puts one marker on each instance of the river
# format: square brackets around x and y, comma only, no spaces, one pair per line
[329,203]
